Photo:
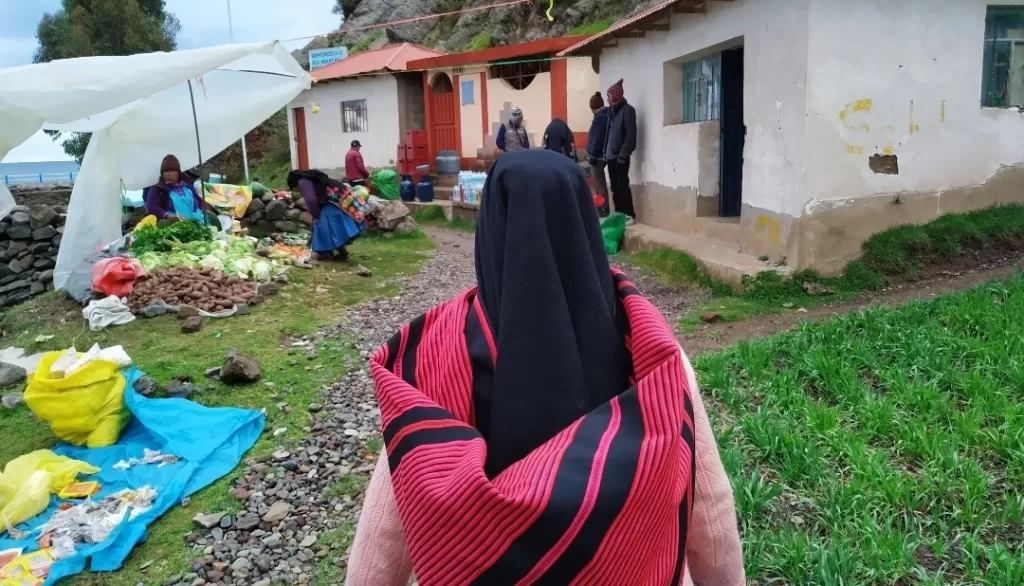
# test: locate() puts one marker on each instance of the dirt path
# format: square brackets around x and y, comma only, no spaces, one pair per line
[713,337]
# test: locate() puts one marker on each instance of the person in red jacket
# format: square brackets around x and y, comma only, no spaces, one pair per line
[355,170]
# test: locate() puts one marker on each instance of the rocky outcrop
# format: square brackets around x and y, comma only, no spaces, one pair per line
[498,26]
[30,237]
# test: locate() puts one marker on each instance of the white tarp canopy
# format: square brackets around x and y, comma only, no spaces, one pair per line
[139,110]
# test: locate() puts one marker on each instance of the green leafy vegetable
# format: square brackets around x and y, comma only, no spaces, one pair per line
[169,238]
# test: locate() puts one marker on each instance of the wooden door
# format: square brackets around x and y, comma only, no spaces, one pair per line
[733,134]
[300,137]
[443,112]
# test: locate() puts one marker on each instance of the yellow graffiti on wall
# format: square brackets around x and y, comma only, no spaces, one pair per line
[912,126]
[852,117]
[772,225]
[862,105]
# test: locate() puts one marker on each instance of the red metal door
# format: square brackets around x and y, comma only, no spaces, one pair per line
[442,108]
[300,137]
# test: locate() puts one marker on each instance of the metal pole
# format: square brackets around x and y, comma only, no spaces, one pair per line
[245,153]
[199,149]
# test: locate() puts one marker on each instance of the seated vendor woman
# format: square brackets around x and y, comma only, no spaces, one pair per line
[173,198]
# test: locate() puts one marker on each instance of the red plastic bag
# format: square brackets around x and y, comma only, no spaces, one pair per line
[116,276]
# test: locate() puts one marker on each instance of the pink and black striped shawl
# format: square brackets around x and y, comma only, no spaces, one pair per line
[606,502]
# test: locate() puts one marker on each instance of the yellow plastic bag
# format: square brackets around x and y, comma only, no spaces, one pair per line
[86,408]
[27,481]
[147,222]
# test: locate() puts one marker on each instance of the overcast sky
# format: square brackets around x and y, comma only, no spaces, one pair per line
[203,23]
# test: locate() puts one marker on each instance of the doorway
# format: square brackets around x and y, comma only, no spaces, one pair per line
[300,138]
[733,134]
[442,114]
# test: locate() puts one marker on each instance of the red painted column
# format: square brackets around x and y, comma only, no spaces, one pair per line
[457,88]
[428,118]
[483,105]
[560,89]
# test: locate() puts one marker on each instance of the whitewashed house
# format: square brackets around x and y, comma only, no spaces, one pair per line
[798,128]
[368,97]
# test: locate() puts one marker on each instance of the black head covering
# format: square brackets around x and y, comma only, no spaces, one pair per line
[549,297]
[320,182]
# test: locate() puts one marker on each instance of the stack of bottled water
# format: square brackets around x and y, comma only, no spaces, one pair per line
[471,186]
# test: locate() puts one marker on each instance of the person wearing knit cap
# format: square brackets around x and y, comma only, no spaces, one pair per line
[173,199]
[620,142]
[596,139]
[512,134]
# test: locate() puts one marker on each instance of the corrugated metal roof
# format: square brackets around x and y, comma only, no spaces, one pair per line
[390,58]
[619,26]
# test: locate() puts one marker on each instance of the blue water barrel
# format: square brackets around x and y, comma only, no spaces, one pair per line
[407,189]
[425,190]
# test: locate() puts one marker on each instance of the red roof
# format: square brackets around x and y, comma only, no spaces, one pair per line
[635,25]
[390,58]
[543,46]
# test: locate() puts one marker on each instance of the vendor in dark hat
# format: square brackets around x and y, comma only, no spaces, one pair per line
[355,170]
[173,198]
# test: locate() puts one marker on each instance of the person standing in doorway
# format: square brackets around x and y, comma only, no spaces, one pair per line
[512,135]
[355,170]
[596,140]
[619,146]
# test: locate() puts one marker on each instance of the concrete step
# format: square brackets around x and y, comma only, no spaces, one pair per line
[446,207]
[722,260]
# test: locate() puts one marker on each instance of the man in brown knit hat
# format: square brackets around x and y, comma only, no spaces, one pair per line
[620,143]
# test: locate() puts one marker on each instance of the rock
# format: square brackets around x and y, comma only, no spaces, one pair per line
[42,215]
[293,215]
[277,513]
[364,272]
[208,520]
[12,401]
[315,407]
[11,374]
[46,276]
[146,565]
[268,289]
[311,354]
[20,218]
[39,247]
[247,522]
[192,325]
[406,226]
[275,211]
[212,372]
[239,368]
[817,289]
[174,579]
[256,205]
[263,582]
[257,300]
[241,565]
[44,263]
[187,311]
[146,386]
[241,494]
[23,232]
[44,233]
[393,213]
[177,389]
[217,534]
[273,541]
[242,309]
[287,227]
[15,266]
[36,288]
[712,318]
[309,541]
[306,218]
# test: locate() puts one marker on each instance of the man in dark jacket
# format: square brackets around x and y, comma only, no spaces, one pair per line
[595,149]
[619,146]
[558,137]
[355,170]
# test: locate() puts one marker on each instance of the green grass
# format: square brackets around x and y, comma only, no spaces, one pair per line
[337,542]
[434,216]
[591,28]
[676,269]
[314,298]
[364,43]
[273,170]
[481,41]
[884,447]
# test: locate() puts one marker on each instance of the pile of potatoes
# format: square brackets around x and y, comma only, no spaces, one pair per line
[206,289]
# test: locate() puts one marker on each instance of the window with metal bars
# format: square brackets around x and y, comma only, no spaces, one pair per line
[520,74]
[702,89]
[1002,82]
[354,117]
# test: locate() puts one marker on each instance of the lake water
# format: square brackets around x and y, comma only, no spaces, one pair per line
[52,171]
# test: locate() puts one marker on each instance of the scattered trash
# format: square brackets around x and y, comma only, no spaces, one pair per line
[817,289]
[92,521]
[109,311]
[80,490]
[148,457]
[43,338]
[280,431]
[28,480]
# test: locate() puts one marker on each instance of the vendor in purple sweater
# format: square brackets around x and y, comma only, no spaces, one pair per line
[329,202]
[173,199]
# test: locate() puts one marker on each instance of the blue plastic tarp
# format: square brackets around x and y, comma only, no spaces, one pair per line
[210,442]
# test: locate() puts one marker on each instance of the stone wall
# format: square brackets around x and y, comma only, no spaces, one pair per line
[29,240]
